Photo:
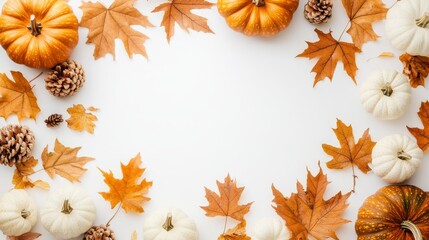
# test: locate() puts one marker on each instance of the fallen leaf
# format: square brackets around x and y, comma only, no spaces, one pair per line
[362,14]
[307,213]
[26,236]
[107,24]
[21,175]
[179,11]
[226,204]
[383,55]
[64,162]
[422,135]
[416,68]
[80,119]
[134,236]
[17,97]
[329,51]
[236,233]
[128,191]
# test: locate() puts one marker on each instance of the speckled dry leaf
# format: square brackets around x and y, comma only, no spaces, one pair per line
[236,233]
[422,135]
[329,52]
[17,97]
[21,176]
[362,13]
[179,11]
[107,24]
[307,213]
[26,236]
[63,161]
[80,119]
[128,191]
[134,236]
[226,204]
[416,68]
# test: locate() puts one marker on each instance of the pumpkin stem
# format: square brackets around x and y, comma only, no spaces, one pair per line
[413,229]
[34,27]
[67,209]
[387,90]
[168,224]
[259,3]
[25,214]
[423,21]
[404,156]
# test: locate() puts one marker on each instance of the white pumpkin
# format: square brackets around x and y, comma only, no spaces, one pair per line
[407,26]
[170,224]
[395,158]
[18,213]
[270,229]
[68,213]
[386,94]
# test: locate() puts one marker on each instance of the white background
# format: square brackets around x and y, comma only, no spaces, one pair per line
[206,105]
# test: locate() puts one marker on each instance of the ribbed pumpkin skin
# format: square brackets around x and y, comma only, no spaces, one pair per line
[381,215]
[267,20]
[58,37]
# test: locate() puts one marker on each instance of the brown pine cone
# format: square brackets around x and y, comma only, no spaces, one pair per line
[65,79]
[318,11]
[101,232]
[16,144]
[54,120]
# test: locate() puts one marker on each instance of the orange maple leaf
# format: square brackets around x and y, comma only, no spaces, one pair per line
[307,213]
[416,68]
[422,135]
[179,11]
[107,24]
[236,233]
[330,51]
[128,191]
[17,97]
[362,13]
[226,204]
[25,236]
[80,119]
[64,162]
[21,175]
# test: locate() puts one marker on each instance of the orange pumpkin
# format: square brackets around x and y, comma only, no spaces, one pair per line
[394,213]
[258,17]
[38,33]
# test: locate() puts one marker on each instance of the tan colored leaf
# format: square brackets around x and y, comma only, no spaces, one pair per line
[26,236]
[226,204]
[416,68]
[80,119]
[422,135]
[134,236]
[383,55]
[63,161]
[21,175]
[307,213]
[107,24]
[329,52]
[128,191]
[17,97]
[180,12]
[236,233]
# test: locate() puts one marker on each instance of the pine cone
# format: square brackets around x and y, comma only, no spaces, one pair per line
[65,79]
[16,144]
[318,11]
[101,232]
[54,120]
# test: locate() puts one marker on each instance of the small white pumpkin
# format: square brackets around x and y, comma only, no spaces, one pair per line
[395,158]
[18,213]
[407,26]
[68,213]
[386,94]
[170,224]
[270,229]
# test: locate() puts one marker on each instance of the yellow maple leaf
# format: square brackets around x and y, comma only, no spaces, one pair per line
[21,175]
[80,119]
[129,191]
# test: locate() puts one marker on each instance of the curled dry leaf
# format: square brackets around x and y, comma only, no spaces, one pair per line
[26,236]
[416,68]
[422,135]
[236,233]
[80,119]
[383,55]
[21,175]
[134,236]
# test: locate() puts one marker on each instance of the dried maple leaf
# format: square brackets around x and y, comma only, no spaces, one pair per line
[26,236]
[362,13]
[307,213]
[80,119]
[422,135]
[416,68]
[107,24]
[17,97]
[350,153]
[179,11]
[64,162]
[236,233]
[21,175]
[128,191]
[330,51]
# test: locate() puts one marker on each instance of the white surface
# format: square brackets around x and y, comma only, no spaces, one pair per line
[208,105]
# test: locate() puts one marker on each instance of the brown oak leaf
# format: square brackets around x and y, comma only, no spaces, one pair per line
[416,68]
[307,213]
[236,233]
[80,119]
[107,24]
[17,97]
[362,13]
[21,175]
[64,162]
[329,51]
[226,204]
[422,135]
[26,236]
[129,191]
[179,11]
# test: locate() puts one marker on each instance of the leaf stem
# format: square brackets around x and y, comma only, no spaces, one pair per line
[114,215]
[354,178]
[344,30]
[224,226]
[40,74]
